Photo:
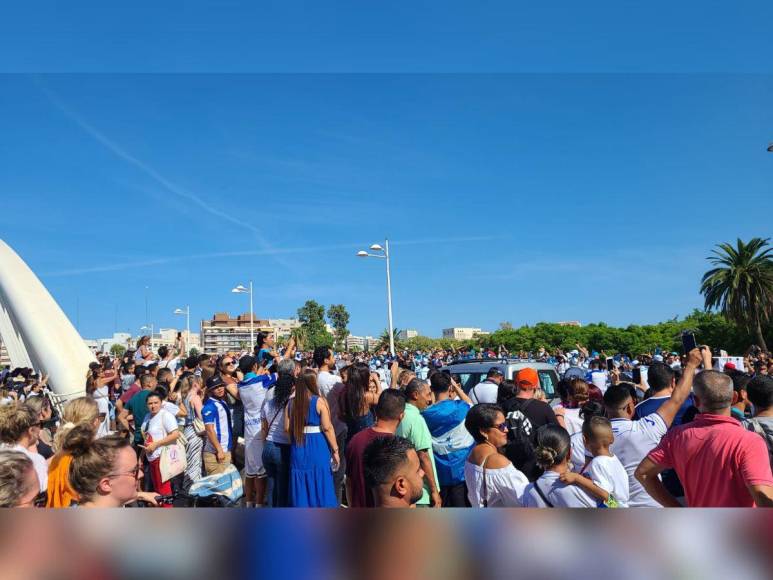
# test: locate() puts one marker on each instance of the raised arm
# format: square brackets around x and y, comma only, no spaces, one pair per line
[670,408]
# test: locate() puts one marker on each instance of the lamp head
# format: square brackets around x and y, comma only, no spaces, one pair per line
[377,248]
[362,254]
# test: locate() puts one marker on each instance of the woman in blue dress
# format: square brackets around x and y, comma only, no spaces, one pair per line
[313,442]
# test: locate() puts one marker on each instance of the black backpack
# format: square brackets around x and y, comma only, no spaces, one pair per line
[520,446]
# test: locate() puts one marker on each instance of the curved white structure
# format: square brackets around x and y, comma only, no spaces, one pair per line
[36,332]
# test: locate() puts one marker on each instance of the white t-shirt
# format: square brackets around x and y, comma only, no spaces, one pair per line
[599,378]
[505,485]
[275,418]
[330,387]
[573,421]
[557,493]
[170,364]
[158,427]
[103,405]
[633,442]
[484,392]
[172,408]
[38,462]
[610,475]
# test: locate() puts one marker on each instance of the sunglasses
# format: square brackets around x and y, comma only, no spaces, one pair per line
[501,427]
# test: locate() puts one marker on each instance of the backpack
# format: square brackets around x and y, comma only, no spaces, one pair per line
[763,431]
[520,448]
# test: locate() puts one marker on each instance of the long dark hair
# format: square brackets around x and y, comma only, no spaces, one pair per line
[306,388]
[357,384]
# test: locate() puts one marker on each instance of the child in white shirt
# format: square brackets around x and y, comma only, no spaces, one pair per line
[604,477]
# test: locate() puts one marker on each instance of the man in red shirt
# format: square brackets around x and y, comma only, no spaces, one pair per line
[389,412]
[719,463]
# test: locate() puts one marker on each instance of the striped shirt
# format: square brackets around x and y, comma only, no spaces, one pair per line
[215,412]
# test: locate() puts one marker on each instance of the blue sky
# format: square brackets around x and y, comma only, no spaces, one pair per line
[416,36]
[508,197]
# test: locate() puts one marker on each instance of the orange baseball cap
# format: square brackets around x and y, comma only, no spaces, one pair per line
[527,379]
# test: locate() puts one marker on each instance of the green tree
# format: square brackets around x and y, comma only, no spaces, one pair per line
[740,286]
[339,320]
[117,350]
[193,352]
[313,332]
[384,339]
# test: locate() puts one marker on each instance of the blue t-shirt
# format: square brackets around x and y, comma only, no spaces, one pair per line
[451,442]
[652,404]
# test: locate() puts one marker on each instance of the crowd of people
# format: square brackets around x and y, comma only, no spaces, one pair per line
[324,429]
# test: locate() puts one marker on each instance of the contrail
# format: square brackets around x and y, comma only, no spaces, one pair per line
[171,187]
[267,252]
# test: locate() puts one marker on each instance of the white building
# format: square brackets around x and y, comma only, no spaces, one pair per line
[407,334]
[463,333]
[360,342]
[5,360]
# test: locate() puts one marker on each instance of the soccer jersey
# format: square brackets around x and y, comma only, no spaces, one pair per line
[215,412]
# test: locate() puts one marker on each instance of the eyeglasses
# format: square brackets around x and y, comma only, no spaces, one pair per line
[501,427]
[134,472]
[228,362]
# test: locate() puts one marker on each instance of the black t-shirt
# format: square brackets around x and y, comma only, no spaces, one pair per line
[534,414]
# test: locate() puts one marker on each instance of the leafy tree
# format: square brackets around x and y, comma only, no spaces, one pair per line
[505,325]
[313,332]
[117,350]
[384,339]
[193,352]
[740,286]
[339,320]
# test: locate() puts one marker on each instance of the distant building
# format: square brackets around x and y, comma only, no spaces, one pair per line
[360,342]
[223,333]
[407,334]
[5,360]
[569,323]
[283,327]
[463,333]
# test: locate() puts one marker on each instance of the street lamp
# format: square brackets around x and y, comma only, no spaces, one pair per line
[150,328]
[187,312]
[242,290]
[384,255]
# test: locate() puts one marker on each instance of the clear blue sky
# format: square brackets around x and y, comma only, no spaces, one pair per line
[518,197]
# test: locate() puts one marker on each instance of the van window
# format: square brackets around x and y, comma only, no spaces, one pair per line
[547,383]
[468,380]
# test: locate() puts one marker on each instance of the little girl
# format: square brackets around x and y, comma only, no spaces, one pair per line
[603,477]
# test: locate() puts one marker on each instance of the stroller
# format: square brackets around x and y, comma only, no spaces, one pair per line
[222,490]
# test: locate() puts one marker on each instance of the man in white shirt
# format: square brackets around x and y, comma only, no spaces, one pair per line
[487,390]
[635,439]
[330,387]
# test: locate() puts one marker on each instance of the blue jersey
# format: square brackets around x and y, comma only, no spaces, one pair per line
[451,442]
[216,412]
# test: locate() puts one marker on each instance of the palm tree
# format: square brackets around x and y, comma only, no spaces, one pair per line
[384,338]
[741,284]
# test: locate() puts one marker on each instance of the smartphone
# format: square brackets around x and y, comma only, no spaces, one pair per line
[688,342]
[610,364]
[636,373]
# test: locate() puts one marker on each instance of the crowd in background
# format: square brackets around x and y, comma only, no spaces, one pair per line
[281,427]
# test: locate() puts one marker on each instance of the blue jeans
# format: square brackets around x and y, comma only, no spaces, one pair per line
[276,461]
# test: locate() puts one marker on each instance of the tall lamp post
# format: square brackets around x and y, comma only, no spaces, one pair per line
[242,290]
[383,253]
[187,312]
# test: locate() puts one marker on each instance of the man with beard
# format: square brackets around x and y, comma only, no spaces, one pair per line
[393,472]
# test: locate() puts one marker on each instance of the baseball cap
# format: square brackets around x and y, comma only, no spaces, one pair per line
[729,366]
[214,382]
[495,372]
[527,379]
[657,358]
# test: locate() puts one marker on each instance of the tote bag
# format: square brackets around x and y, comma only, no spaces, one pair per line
[173,461]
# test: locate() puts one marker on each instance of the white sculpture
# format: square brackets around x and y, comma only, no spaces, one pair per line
[36,332]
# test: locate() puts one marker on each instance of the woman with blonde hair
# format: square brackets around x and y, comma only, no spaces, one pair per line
[82,411]
[143,353]
[193,425]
